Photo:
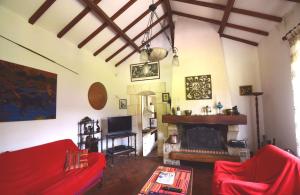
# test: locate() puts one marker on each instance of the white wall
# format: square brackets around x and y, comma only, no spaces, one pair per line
[274,56]
[200,53]
[243,69]
[72,89]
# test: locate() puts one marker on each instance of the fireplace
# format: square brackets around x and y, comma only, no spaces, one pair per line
[202,138]
[206,137]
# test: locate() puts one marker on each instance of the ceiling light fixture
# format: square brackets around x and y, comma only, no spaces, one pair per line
[154,54]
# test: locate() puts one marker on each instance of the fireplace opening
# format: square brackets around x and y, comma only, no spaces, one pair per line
[203,137]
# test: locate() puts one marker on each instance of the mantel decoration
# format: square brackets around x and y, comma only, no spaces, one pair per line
[97,95]
[144,71]
[26,93]
[154,54]
[198,87]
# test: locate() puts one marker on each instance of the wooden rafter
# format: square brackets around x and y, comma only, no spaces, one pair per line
[227,11]
[235,26]
[136,37]
[105,24]
[154,36]
[239,39]
[125,29]
[170,20]
[235,10]
[39,12]
[75,20]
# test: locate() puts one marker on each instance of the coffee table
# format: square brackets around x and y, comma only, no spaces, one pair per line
[183,180]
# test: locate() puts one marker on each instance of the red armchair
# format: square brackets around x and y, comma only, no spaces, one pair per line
[40,170]
[271,171]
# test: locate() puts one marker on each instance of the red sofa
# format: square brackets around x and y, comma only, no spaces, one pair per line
[40,170]
[271,171]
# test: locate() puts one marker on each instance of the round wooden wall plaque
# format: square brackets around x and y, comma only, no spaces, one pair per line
[97,95]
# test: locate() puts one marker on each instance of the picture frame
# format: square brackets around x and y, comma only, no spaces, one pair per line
[152,122]
[144,71]
[246,90]
[123,104]
[165,97]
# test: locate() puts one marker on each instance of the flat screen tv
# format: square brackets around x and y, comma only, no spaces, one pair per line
[119,124]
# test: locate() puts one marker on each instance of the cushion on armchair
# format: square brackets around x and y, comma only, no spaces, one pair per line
[270,171]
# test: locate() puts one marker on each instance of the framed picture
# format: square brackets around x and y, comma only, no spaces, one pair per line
[153,122]
[144,71]
[246,90]
[26,93]
[122,104]
[198,87]
[165,97]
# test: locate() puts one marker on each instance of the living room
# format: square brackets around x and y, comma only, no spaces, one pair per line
[34,34]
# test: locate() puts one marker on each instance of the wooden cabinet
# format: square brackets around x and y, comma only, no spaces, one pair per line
[89,135]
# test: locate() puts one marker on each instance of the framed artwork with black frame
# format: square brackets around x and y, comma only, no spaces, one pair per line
[165,97]
[123,104]
[144,71]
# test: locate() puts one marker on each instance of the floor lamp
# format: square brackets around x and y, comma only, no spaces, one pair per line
[256,94]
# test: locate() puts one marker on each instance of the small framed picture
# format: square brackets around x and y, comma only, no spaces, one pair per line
[246,90]
[165,97]
[153,123]
[122,104]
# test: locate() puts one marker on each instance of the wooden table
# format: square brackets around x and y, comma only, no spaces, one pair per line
[150,182]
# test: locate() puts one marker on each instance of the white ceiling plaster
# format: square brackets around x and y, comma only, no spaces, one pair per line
[63,11]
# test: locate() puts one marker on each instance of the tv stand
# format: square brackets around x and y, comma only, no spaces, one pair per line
[120,149]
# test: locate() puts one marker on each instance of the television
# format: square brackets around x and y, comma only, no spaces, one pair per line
[119,124]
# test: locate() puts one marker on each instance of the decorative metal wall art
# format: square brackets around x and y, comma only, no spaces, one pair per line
[198,87]
[26,93]
[144,71]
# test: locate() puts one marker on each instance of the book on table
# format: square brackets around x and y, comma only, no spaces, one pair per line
[166,178]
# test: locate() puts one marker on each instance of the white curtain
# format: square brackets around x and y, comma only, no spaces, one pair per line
[294,41]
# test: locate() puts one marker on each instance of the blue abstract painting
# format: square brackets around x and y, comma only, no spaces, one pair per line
[26,93]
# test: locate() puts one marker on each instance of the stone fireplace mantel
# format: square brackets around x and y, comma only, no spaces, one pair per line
[206,119]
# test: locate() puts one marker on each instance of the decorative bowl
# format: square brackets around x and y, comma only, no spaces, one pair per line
[188,112]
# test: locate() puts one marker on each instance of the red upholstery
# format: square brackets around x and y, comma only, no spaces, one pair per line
[271,171]
[40,170]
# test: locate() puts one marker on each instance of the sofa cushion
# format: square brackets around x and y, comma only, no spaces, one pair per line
[76,159]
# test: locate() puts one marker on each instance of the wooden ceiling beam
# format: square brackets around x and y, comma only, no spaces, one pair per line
[170,20]
[217,22]
[136,37]
[297,1]
[125,29]
[239,39]
[39,12]
[105,24]
[234,10]
[154,36]
[226,14]
[75,20]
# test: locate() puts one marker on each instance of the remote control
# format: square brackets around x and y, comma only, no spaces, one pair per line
[172,189]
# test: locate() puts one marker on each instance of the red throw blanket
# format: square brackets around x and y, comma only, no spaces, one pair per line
[271,171]
[40,170]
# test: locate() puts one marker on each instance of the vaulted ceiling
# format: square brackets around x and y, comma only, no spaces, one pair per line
[114,30]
